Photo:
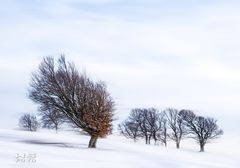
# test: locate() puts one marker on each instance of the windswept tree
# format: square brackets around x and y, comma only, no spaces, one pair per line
[28,122]
[175,123]
[51,119]
[87,104]
[202,129]
[130,129]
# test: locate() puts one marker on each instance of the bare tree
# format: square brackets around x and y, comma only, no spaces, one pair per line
[147,123]
[161,133]
[151,116]
[137,116]
[202,129]
[176,125]
[146,120]
[29,122]
[51,119]
[156,124]
[85,103]
[130,129]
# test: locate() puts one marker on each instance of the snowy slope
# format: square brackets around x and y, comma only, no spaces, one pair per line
[69,150]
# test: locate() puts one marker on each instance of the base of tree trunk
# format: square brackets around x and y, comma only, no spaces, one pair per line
[177,145]
[93,142]
[201,148]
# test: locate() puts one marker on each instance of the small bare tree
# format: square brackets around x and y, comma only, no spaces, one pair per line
[137,116]
[147,121]
[60,87]
[51,119]
[201,129]
[176,125]
[151,117]
[29,122]
[161,133]
[130,129]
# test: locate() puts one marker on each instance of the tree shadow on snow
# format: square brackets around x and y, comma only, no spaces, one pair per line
[55,144]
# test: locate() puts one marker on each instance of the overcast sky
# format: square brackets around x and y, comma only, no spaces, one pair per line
[151,53]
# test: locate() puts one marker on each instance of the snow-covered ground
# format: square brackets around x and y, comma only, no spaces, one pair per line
[69,150]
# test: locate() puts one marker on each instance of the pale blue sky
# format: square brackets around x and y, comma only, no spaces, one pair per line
[164,53]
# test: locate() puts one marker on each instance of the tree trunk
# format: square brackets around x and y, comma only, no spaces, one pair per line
[178,145]
[165,140]
[93,142]
[56,128]
[155,141]
[149,140]
[146,139]
[201,147]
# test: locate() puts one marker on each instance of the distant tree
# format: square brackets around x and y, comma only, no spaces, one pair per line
[29,122]
[130,129]
[87,104]
[51,119]
[146,121]
[175,123]
[202,129]
[152,117]
[136,116]
[161,133]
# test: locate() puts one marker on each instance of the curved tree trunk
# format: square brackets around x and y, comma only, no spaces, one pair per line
[93,141]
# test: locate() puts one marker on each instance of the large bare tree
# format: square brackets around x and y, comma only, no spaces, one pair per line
[87,104]
[202,129]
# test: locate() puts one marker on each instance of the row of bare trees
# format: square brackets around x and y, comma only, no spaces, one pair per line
[173,124]
[48,119]
[65,95]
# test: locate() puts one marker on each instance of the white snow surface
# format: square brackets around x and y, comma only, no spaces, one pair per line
[68,149]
